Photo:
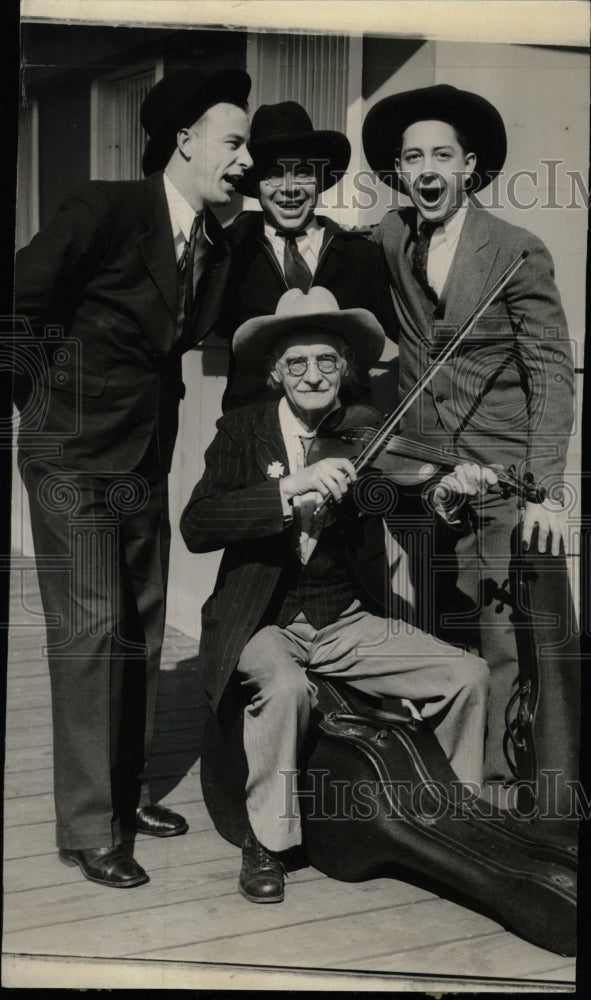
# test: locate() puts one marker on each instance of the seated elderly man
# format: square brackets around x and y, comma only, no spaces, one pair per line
[290,602]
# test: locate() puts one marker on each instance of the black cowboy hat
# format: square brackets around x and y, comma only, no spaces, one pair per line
[285,132]
[178,100]
[471,115]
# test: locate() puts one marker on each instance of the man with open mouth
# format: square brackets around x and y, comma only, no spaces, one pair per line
[507,396]
[132,273]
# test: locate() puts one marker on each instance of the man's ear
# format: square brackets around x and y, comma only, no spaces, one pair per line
[470,162]
[183,142]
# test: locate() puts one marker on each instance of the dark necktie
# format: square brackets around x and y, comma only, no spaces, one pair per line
[186,268]
[297,272]
[420,256]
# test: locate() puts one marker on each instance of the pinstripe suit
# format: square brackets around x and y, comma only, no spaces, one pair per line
[237,505]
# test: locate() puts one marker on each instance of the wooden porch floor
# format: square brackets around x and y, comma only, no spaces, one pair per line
[189,926]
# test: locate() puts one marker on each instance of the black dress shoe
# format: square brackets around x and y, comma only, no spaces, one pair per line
[157,821]
[261,877]
[112,866]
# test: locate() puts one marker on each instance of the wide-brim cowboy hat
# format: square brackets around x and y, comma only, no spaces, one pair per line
[178,100]
[284,132]
[471,115]
[318,310]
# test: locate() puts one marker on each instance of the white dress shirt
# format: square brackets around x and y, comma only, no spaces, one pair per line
[309,243]
[304,506]
[182,215]
[442,248]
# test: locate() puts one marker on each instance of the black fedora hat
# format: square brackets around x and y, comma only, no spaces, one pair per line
[178,100]
[284,131]
[471,115]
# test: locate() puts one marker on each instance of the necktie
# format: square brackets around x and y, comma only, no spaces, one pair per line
[297,272]
[420,256]
[186,267]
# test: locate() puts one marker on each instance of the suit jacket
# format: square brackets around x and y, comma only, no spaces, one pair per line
[348,266]
[506,396]
[237,505]
[105,272]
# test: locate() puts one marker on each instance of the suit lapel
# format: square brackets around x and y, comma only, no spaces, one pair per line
[410,301]
[471,267]
[269,445]
[157,245]
[211,289]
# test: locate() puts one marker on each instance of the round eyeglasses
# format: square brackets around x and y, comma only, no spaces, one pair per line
[326,364]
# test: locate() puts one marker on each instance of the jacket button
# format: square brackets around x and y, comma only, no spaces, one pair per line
[439,398]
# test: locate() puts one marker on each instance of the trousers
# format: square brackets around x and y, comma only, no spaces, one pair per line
[378,656]
[101,548]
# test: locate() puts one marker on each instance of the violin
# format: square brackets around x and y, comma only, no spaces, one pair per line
[373,444]
[347,433]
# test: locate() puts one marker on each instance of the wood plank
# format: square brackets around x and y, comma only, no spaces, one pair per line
[39,781]
[30,841]
[197,921]
[67,903]
[45,869]
[27,737]
[28,759]
[29,809]
[312,931]
[508,957]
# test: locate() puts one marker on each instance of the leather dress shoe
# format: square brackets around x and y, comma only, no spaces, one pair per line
[261,877]
[111,866]
[157,821]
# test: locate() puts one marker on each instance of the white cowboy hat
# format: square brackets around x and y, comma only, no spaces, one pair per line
[316,310]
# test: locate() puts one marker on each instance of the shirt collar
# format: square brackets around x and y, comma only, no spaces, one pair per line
[312,226]
[452,227]
[181,212]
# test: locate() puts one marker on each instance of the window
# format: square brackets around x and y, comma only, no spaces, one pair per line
[117,139]
[310,69]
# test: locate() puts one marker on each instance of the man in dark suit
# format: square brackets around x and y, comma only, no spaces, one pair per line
[290,598]
[134,274]
[506,397]
[287,244]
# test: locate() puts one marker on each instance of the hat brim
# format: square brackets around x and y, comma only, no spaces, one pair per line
[359,328]
[331,151]
[469,113]
[230,86]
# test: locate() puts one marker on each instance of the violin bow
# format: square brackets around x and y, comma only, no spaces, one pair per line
[380,438]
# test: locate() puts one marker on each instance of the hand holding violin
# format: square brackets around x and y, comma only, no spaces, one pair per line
[331,477]
[467,479]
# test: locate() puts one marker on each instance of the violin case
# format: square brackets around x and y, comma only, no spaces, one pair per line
[378,797]
[543,716]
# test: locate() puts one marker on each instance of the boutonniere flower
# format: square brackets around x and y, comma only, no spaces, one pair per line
[275,470]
